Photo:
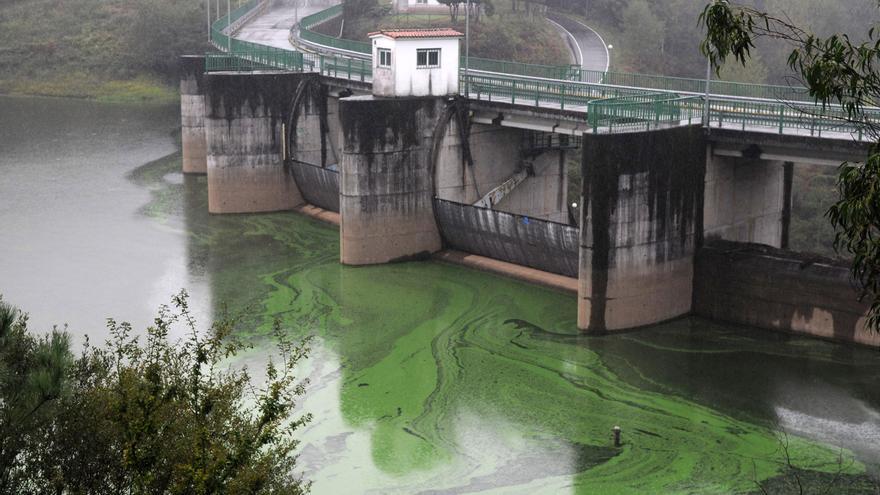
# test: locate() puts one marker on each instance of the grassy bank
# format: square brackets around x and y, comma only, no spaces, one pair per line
[110,50]
[140,90]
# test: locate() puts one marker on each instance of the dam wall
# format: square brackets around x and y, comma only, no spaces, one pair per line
[519,239]
[641,222]
[192,114]
[669,227]
[464,174]
[245,122]
[747,200]
[775,289]
[386,188]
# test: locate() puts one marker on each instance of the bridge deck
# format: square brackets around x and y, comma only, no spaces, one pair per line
[271,29]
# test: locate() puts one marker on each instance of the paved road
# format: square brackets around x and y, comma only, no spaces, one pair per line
[589,48]
[272,27]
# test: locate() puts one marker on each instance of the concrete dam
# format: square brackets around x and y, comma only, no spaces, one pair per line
[672,219]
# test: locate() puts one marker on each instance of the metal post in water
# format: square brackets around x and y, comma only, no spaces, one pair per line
[616,432]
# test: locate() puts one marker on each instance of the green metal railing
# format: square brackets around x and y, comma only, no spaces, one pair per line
[261,60]
[802,118]
[476,63]
[687,85]
[321,17]
[221,40]
[354,69]
[269,58]
[644,112]
[612,102]
[518,68]
[565,95]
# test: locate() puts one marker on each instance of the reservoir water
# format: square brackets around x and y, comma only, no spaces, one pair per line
[425,377]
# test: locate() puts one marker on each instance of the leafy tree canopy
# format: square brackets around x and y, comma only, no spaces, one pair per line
[145,414]
[838,69]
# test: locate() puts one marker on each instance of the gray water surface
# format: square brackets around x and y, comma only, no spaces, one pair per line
[424,377]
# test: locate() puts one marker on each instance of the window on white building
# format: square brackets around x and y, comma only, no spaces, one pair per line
[428,58]
[384,57]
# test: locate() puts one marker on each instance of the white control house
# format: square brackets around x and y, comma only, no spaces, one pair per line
[415,62]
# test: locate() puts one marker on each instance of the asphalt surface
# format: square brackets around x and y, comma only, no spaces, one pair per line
[588,47]
[272,27]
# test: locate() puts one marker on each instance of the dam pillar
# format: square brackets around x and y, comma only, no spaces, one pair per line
[641,222]
[747,200]
[192,114]
[245,124]
[386,192]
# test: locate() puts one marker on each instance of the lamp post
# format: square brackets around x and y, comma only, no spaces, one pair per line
[228,31]
[208,16]
[708,80]
[467,49]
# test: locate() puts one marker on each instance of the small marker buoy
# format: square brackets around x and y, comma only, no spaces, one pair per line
[616,432]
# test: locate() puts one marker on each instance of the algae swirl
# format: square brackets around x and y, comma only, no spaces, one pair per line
[434,378]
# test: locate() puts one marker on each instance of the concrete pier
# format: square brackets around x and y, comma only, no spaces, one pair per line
[192,114]
[387,189]
[640,224]
[244,125]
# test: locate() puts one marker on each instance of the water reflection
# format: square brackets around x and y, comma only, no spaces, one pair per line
[424,376]
[74,247]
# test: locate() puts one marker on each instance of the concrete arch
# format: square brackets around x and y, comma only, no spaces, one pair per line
[307,127]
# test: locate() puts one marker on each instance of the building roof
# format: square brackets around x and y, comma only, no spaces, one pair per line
[418,33]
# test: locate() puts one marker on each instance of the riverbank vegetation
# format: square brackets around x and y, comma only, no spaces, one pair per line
[117,50]
[145,414]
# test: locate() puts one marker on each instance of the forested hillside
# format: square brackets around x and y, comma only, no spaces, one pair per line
[663,36]
[111,49]
[503,30]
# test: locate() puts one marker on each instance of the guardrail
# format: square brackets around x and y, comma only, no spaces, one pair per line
[805,119]
[643,112]
[513,89]
[612,102]
[532,70]
[262,60]
[688,85]
[268,58]
[233,20]
[318,18]
[307,33]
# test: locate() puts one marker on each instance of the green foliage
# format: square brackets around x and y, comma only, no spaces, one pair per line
[363,9]
[836,70]
[754,71]
[813,192]
[501,37]
[642,28]
[856,217]
[79,47]
[631,26]
[32,378]
[145,414]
